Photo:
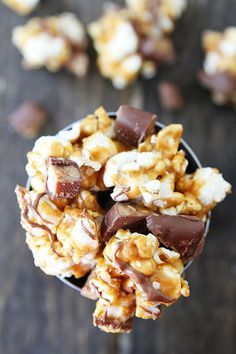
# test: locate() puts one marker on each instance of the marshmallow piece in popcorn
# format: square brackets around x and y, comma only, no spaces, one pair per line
[129,170]
[219,69]
[45,147]
[207,185]
[23,7]
[154,271]
[62,242]
[55,42]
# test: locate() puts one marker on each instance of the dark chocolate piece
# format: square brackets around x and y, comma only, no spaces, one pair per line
[170,95]
[28,119]
[63,178]
[182,233]
[222,82]
[124,216]
[133,125]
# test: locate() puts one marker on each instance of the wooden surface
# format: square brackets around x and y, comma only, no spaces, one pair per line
[38,314]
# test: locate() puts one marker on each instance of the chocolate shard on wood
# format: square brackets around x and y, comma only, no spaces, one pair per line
[182,233]
[133,125]
[124,216]
[28,119]
[171,96]
[63,178]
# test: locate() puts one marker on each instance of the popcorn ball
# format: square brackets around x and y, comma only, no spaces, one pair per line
[133,40]
[23,7]
[54,42]
[219,67]
[112,202]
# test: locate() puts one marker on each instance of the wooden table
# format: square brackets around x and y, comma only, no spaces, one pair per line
[38,314]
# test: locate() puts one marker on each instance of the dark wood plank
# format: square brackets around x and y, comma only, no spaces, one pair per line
[38,314]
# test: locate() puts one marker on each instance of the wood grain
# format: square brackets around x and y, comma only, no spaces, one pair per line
[38,314]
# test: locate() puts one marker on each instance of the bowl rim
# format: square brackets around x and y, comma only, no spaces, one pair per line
[195,159]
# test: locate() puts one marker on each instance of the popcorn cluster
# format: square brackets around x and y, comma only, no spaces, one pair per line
[23,7]
[219,69]
[54,42]
[135,277]
[135,39]
[133,251]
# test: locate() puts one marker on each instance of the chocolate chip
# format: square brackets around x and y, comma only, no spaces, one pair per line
[28,119]
[222,82]
[124,216]
[63,178]
[182,233]
[171,96]
[133,125]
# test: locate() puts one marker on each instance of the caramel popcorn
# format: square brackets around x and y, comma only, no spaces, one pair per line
[54,42]
[164,12]
[134,39]
[63,242]
[219,68]
[23,7]
[135,277]
[113,202]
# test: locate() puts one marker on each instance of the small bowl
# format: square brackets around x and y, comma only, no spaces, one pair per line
[194,164]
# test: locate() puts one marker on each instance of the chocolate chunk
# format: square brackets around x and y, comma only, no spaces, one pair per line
[63,178]
[133,125]
[28,119]
[182,233]
[171,96]
[124,216]
[222,82]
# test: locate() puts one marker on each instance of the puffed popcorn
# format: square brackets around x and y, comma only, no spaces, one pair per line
[54,42]
[130,170]
[219,67]
[23,7]
[207,185]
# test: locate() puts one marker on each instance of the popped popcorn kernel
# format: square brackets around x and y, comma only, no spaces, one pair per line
[53,42]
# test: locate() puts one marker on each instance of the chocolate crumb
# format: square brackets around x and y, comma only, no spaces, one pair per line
[171,96]
[28,119]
